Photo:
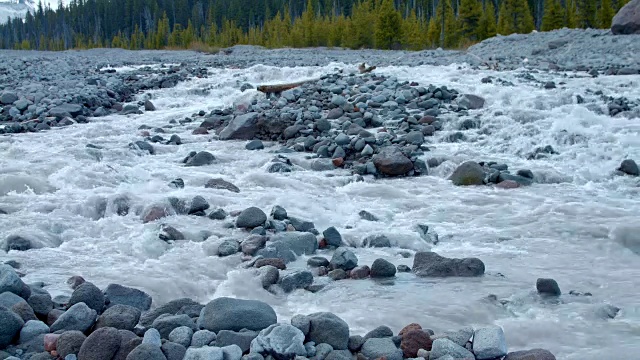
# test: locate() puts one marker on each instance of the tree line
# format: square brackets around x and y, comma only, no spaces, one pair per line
[382,24]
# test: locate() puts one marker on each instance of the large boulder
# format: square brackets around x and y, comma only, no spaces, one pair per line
[627,20]
[344,259]
[66,110]
[392,162]
[430,264]
[101,344]
[381,348]
[172,307]
[282,341]
[89,294]
[118,294]
[533,354]
[242,127]
[78,317]
[122,317]
[327,328]
[10,326]
[226,313]
[11,282]
[288,245]
[251,217]
[468,173]
[489,343]
[167,323]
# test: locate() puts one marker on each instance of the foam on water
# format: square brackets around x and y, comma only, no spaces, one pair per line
[570,228]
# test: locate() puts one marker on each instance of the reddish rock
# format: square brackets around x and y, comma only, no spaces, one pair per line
[154,213]
[410,327]
[338,162]
[200,131]
[145,133]
[75,281]
[277,263]
[360,272]
[117,107]
[414,340]
[322,244]
[235,213]
[54,354]
[50,341]
[508,184]
[428,119]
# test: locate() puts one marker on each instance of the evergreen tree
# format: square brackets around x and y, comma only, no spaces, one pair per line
[586,14]
[605,14]
[451,26]
[571,16]
[388,26]
[469,14]
[553,15]
[515,17]
[414,34]
[487,23]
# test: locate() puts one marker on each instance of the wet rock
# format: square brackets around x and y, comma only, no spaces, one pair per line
[142,146]
[155,212]
[90,295]
[317,261]
[533,354]
[378,241]
[629,167]
[392,162]
[242,127]
[471,102]
[460,337]
[127,346]
[403,269]
[228,247]
[63,110]
[508,184]
[118,294]
[337,274]
[301,224]
[365,215]
[148,106]
[409,328]
[11,282]
[296,280]
[288,245]
[78,317]
[202,158]
[169,233]
[381,268]
[242,339]
[489,343]
[548,287]
[202,338]
[122,317]
[8,98]
[173,351]
[167,323]
[627,20]
[332,237]
[344,259]
[236,314]
[198,205]
[172,307]
[301,322]
[269,275]
[282,341]
[252,244]
[181,335]
[22,309]
[376,348]
[16,243]
[146,352]
[32,329]
[360,272]
[251,218]
[100,345]
[430,264]
[468,173]
[379,332]
[328,328]
[279,213]
[444,347]
[275,262]
[355,343]
[221,184]
[70,342]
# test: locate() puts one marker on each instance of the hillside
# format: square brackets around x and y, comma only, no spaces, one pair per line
[13,8]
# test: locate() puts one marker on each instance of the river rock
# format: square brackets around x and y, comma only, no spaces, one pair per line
[242,127]
[202,158]
[548,287]
[282,341]
[146,352]
[288,245]
[296,280]
[392,162]
[11,282]
[325,327]
[173,351]
[181,335]
[376,348]
[414,340]
[204,353]
[31,329]
[470,101]
[430,264]
[165,324]
[102,344]
[118,294]
[468,173]
[70,342]
[221,184]
[89,294]
[489,343]
[202,338]
[629,167]
[251,217]
[78,317]
[236,314]
[378,241]
[172,307]
[382,268]
[344,259]
[66,110]
[533,354]
[122,317]
[627,20]
[444,347]
[332,237]
[242,339]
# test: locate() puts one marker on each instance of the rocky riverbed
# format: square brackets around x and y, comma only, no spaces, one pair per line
[471,197]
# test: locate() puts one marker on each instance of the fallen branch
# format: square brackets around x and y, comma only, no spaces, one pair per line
[363,69]
[269,89]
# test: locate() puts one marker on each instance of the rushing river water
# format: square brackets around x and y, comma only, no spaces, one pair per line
[569,226]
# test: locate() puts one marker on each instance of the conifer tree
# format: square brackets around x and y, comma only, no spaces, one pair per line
[451,28]
[469,14]
[360,28]
[586,14]
[388,26]
[414,34]
[553,15]
[571,16]
[515,17]
[487,23]
[605,14]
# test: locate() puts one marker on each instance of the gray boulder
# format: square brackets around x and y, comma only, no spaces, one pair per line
[243,339]
[444,347]
[288,245]
[204,353]
[302,322]
[152,336]
[232,352]
[382,268]
[228,247]
[339,355]
[332,237]
[9,299]
[375,348]
[202,158]
[8,98]
[146,352]
[236,314]
[627,20]
[70,342]
[90,295]
[344,259]
[392,162]
[78,317]
[202,338]
[489,343]
[166,323]
[533,354]
[282,341]
[11,282]
[41,303]
[173,351]
[242,127]
[172,307]
[102,344]
[181,335]
[118,294]
[379,332]
[468,173]
[629,167]
[31,329]
[269,275]
[470,101]
[221,184]
[378,241]
[430,264]
[65,110]
[548,287]
[296,280]
[251,218]
[325,327]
